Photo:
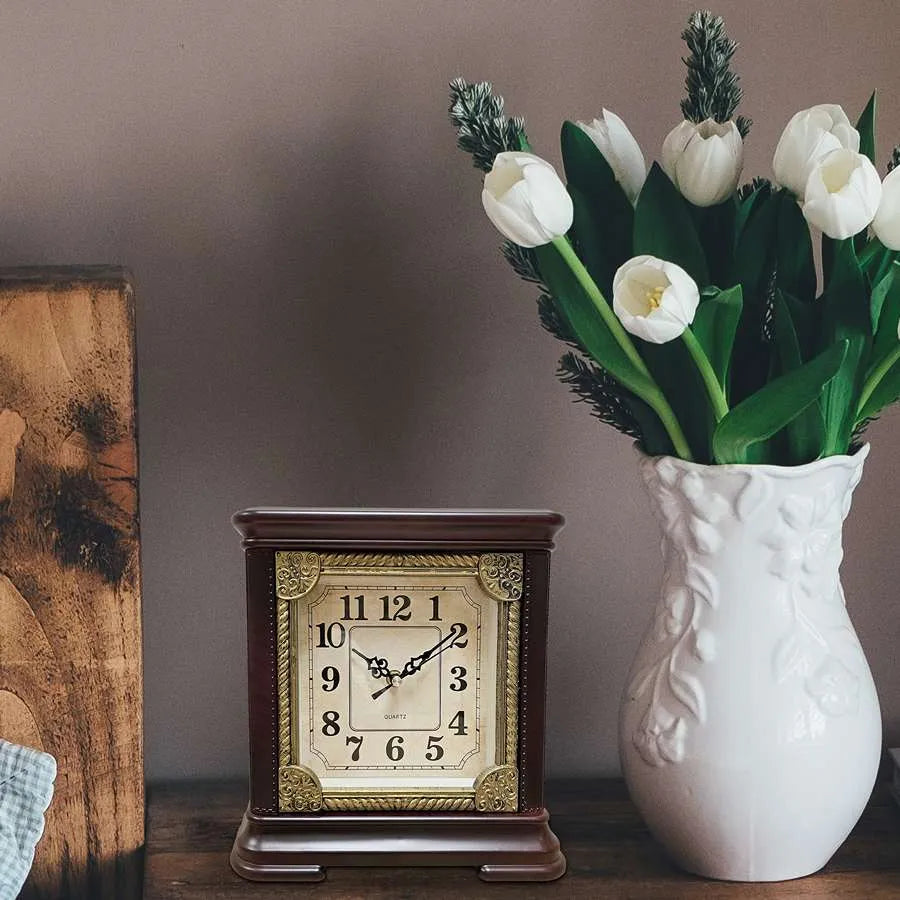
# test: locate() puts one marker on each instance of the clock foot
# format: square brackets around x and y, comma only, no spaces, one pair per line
[548,871]
[268,872]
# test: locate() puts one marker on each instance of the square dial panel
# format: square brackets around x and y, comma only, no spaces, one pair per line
[401,682]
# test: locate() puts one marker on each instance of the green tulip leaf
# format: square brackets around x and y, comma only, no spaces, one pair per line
[866,128]
[591,175]
[676,375]
[715,325]
[805,434]
[886,392]
[587,324]
[879,295]
[885,345]
[747,207]
[754,263]
[796,267]
[587,235]
[767,411]
[663,227]
[846,315]
[889,315]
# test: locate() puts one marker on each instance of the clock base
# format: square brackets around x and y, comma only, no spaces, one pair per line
[503,847]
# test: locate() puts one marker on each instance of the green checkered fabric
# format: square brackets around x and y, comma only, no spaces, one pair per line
[26,786]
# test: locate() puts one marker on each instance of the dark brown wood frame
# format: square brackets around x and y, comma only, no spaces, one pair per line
[275,846]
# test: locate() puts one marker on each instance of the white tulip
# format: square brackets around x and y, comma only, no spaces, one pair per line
[654,299]
[842,194]
[811,134]
[704,161]
[525,199]
[886,224]
[619,148]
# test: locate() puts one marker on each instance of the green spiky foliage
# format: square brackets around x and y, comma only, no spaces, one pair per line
[482,127]
[895,159]
[523,262]
[595,386]
[758,184]
[713,89]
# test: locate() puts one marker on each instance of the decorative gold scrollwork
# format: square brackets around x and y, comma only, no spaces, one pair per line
[296,573]
[500,575]
[299,790]
[497,789]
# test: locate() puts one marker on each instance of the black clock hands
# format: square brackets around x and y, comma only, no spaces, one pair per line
[378,665]
[457,631]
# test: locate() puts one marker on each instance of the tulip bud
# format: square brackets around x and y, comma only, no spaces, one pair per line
[842,194]
[810,135]
[525,199]
[654,299]
[704,161]
[619,148]
[886,224]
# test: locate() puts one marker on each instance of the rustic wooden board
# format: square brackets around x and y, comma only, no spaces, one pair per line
[70,629]
[191,827]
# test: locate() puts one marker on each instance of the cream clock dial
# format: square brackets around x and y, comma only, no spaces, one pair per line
[403,682]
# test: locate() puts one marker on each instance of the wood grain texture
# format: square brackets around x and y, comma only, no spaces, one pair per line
[70,635]
[610,854]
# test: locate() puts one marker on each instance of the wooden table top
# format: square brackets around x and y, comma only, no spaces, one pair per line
[191,826]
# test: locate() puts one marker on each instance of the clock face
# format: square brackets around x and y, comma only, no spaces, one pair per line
[402,679]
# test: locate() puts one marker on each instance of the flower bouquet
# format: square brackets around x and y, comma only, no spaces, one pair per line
[692,307]
[698,324]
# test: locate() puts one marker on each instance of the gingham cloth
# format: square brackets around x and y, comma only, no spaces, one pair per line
[26,787]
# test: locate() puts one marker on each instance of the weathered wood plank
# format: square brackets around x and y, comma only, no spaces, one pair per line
[610,853]
[70,636]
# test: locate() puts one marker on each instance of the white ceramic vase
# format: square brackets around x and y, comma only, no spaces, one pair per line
[749,731]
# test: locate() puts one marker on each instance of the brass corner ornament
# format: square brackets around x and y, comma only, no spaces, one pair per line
[296,573]
[500,575]
[299,790]
[497,789]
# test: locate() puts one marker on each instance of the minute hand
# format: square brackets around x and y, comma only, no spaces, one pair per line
[457,630]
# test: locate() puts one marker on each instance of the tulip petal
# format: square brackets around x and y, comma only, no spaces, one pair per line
[525,200]
[675,297]
[886,224]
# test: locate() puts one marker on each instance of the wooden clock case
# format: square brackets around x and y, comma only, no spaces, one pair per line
[509,846]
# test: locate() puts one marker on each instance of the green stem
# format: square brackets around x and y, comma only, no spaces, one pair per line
[874,379]
[610,319]
[872,249]
[656,400]
[713,388]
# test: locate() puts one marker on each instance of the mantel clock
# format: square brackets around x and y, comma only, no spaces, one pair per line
[396,671]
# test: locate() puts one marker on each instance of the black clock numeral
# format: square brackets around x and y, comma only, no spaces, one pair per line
[461,630]
[435,608]
[402,612]
[331,678]
[330,725]
[354,739]
[434,751]
[458,724]
[360,608]
[459,673]
[327,636]
[394,748]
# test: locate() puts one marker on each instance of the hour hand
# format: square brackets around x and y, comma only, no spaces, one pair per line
[378,665]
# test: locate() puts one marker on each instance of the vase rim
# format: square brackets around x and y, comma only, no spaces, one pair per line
[842,460]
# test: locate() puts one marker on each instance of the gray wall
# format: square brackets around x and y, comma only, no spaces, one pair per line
[323,316]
